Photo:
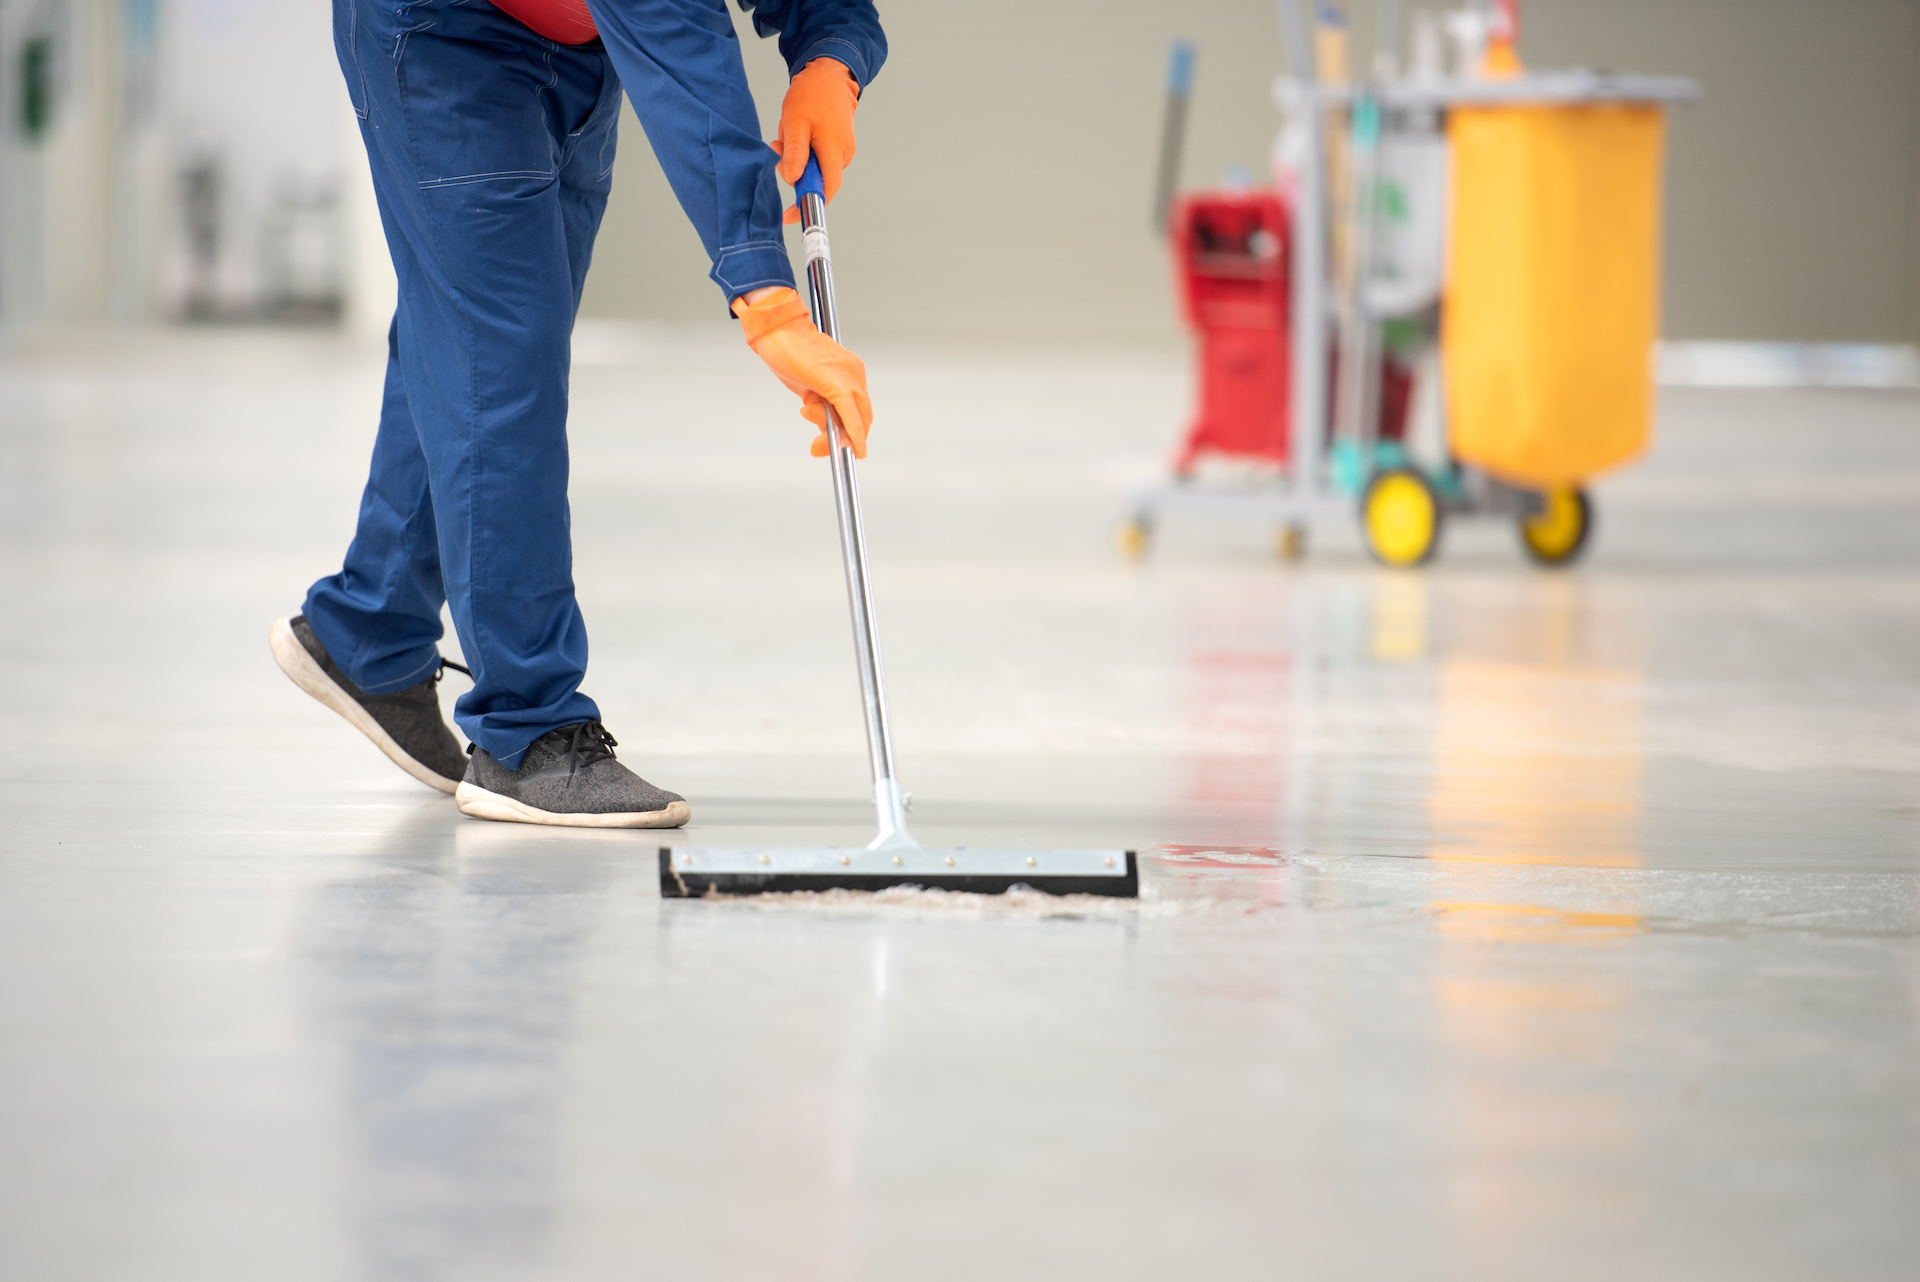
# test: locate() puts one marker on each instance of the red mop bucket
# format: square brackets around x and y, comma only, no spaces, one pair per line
[1231,254]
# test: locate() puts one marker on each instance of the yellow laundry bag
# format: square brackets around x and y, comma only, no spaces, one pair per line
[1552,298]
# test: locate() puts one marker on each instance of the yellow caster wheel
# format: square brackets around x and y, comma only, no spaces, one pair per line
[1555,534]
[1290,542]
[1401,515]
[1133,539]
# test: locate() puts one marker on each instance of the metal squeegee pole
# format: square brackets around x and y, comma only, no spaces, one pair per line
[889,804]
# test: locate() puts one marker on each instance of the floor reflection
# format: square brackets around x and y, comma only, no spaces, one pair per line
[1536,763]
[1240,676]
[1536,760]
[1473,732]
[1537,752]
[793,1109]
[1528,1023]
[1408,715]
[1309,696]
[445,973]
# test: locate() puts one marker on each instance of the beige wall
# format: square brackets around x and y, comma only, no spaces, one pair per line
[1007,153]
[1006,160]
[1793,184]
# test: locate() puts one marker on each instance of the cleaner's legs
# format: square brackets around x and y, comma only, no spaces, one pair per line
[379,618]
[491,150]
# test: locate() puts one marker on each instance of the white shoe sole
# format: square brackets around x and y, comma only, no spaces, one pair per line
[481,804]
[311,677]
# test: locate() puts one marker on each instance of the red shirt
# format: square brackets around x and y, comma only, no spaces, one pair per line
[565,21]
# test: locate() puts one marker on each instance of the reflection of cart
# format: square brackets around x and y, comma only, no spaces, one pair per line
[1550,253]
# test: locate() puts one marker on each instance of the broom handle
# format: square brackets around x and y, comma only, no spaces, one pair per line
[810,194]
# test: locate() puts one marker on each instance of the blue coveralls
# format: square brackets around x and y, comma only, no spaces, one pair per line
[492,153]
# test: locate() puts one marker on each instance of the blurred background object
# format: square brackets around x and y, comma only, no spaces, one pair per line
[1173,131]
[168,160]
[300,247]
[1791,216]
[200,230]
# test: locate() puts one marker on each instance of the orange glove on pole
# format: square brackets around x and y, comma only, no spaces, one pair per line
[819,371]
[817,115]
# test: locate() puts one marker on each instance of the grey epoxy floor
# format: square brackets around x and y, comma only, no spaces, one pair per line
[1500,924]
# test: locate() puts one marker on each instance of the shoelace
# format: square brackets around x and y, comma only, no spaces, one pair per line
[398,700]
[589,743]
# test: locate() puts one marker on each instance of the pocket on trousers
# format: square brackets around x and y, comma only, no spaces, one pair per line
[473,116]
[587,163]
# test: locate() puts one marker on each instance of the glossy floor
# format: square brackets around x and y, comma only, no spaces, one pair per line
[1500,924]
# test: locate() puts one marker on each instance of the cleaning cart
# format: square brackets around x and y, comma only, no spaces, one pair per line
[1450,312]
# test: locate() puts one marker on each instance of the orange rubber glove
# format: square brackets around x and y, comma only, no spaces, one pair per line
[817,115]
[818,370]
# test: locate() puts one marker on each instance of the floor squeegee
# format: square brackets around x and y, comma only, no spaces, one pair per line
[893,858]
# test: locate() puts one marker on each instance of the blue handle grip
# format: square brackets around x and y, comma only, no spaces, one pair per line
[810,181]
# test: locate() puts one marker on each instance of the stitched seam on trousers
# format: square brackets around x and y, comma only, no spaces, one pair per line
[353,52]
[400,41]
[501,176]
[572,144]
[614,124]
[546,115]
[412,679]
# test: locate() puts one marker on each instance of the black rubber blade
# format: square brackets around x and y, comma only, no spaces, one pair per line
[689,873]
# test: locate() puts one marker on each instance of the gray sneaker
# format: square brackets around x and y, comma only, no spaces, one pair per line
[568,777]
[406,725]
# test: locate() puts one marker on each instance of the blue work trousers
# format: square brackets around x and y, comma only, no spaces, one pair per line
[492,154]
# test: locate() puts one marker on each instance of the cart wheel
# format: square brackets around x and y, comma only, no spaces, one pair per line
[1555,534]
[1401,514]
[1133,537]
[1290,542]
